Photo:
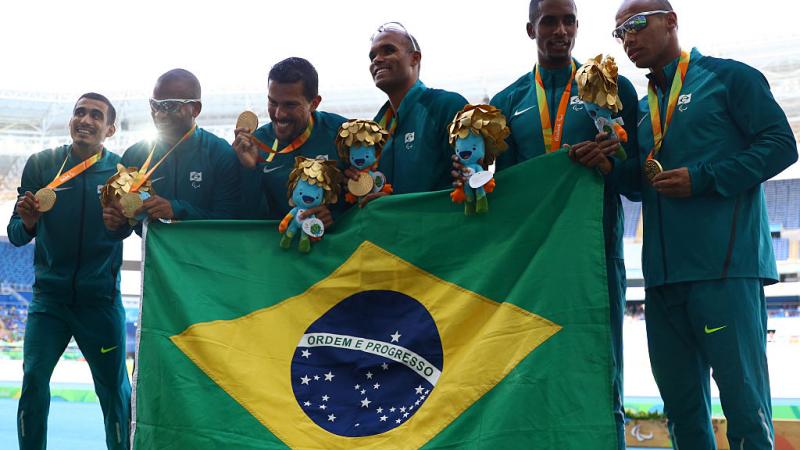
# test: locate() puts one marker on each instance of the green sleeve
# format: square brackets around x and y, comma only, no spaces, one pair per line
[17,234]
[509,157]
[449,109]
[763,124]
[625,178]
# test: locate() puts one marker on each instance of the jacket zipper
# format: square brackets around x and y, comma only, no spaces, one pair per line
[658,201]
[80,240]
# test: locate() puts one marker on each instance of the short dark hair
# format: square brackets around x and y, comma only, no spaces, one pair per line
[294,69]
[112,112]
[182,75]
[533,10]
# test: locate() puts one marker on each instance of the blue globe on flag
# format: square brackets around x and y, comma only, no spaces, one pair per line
[368,364]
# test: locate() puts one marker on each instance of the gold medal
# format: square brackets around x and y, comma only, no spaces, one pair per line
[130,202]
[46,198]
[361,187]
[247,120]
[652,168]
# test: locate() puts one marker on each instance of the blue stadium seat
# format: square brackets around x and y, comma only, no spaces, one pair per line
[632,212]
[16,265]
[781,248]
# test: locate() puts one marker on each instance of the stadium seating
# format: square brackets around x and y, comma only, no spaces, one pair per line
[633,211]
[781,248]
[16,265]
[783,202]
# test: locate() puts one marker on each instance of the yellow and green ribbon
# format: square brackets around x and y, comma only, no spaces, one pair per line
[655,108]
[552,133]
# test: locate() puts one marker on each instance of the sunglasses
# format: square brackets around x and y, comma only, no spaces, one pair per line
[634,24]
[398,27]
[170,105]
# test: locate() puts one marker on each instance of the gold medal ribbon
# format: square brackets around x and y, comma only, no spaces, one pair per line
[388,121]
[655,108]
[552,133]
[148,173]
[75,171]
[294,145]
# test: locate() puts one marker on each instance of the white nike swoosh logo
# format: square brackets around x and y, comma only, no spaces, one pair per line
[523,110]
[642,119]
[272,169]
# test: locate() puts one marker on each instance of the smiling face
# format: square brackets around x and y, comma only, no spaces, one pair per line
[306,195]
[289,109]
[554,28]
[362,156]
[89,125]
[470,149]
[394,63]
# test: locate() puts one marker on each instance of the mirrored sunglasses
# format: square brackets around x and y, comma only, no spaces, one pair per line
[170,105]
[634,24]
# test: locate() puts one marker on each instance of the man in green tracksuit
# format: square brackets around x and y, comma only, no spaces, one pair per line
[76,293]
[297,128]
[717,134]
[554,25]
[199,179]
[416,157]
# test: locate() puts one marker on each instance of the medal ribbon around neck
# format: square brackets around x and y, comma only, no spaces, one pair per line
[552,133]
[388,121]
[294,145]
[75,171]
[148,173]
[655,108]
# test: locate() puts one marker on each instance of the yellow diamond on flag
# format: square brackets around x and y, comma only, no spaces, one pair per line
[313,370]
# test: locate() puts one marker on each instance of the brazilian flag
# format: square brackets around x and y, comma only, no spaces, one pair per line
[409,325]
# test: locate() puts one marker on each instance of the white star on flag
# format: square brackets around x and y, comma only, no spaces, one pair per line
[363,391]
[405,415]
[419,389]
[385,366]
[305,379]
[397,421]
[403,409]
[369,375]
[306,403]
[325,398]
[379,410]
[395,336]
[357,387]
[323,407]
[376,386]
[383,418]
[365,403]
[306,354]
[329,376]
[392,409]
[331,418]
[316,377]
